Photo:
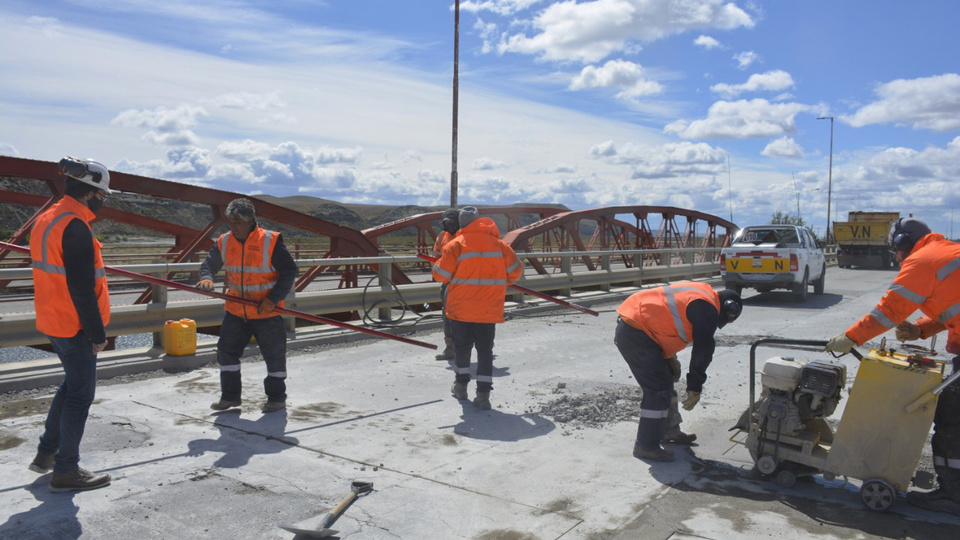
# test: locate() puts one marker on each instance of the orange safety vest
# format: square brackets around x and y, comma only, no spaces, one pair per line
[56,314]
[661,312]
[249,269]
[478,266]
[929,280]
[441,241]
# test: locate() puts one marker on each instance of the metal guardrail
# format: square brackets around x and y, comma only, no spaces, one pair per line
[19,329]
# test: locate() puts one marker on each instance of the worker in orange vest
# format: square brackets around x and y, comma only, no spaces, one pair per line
[73,308]
[450,223]
[654,325]
[259,267]
[478,266]
[928,280]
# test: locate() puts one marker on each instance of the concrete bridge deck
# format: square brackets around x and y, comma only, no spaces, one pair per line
[552,460]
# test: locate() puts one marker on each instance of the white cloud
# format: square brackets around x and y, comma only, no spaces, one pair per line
[501,7]
[169,127]
[772,81]
[7,149]
[741,119]
[487,164]
[249,101]
[927,103]
[591,31]
[745,59]
[327,154]
[671,160]
[707,42]
[604,149]
[784,147]
[617,74]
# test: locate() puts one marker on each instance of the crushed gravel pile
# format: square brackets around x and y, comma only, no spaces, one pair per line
[594,410]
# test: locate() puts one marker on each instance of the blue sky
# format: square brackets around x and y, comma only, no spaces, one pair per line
[702,104]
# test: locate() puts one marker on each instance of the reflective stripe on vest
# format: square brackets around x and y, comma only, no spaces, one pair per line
[675,311]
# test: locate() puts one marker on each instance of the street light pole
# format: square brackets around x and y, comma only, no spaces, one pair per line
[829,175]
[456,103]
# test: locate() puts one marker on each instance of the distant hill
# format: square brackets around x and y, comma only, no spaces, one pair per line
[196,216]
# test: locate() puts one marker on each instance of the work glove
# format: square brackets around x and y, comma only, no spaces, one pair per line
[265,306]
[841,344]
[205,284]
[907,331]
[674,367]
[691,400]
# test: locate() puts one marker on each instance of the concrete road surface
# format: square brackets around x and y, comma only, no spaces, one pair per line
[551,460]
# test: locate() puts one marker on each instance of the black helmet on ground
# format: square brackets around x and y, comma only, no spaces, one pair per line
[905,233]
[730,307]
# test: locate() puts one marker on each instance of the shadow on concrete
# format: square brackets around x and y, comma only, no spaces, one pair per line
[494,425]
[54,517]
[240,439]
[833,503]
[785,300]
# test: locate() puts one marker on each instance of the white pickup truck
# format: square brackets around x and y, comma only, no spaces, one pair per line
[768,257]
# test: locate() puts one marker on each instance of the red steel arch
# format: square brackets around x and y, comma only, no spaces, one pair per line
[343,241]
[427,235]
[565,232]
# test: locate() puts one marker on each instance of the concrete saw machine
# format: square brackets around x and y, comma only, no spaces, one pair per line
[880,434]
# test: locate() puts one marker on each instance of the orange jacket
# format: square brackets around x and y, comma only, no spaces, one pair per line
[250,271]
[661,312]
[478,266]
[441,241]
[929,280]
[56,314]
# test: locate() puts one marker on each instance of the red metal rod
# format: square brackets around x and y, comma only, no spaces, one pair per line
[190,288]
[531,292]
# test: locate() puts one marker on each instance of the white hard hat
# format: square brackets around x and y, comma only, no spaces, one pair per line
[88,171]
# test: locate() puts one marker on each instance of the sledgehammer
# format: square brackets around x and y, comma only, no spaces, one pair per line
[319,527]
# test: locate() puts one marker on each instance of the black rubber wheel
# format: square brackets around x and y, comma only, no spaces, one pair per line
[735,288]
[821,281]
[801,289]
[878,495]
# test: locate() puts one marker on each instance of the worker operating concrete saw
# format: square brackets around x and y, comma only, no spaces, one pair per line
[929,280]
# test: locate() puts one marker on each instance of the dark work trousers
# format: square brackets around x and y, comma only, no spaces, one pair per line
[235,335]
[946,439]
[466,336]
[652,372]
[447,327]
[67,417]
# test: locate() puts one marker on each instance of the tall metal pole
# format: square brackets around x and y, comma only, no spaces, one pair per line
[456,103]
[829,176]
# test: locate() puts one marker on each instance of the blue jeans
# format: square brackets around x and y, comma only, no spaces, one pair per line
[235,334]
[71,404]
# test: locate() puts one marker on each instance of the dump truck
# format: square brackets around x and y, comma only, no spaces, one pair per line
[863,240]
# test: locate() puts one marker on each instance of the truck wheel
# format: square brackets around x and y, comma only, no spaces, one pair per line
[820,282]
[800,289]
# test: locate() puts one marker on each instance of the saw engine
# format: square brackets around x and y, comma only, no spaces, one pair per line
[795,392]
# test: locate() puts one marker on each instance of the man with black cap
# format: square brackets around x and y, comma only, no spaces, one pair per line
[450,223]
[259,267]
[478,266]
[928,280]
[654,325]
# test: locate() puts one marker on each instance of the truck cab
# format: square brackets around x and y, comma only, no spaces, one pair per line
[769,257]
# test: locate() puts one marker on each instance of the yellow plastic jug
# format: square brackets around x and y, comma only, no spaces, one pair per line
[180,337]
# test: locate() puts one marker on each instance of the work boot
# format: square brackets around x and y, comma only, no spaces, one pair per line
[225,404]
[78,480]
[273,406]
[676,436]
[935,501]
[459,390]
[482,401]
[657,454]
[447,353]
[41,464]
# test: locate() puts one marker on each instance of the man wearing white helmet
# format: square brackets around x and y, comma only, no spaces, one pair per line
[73,308]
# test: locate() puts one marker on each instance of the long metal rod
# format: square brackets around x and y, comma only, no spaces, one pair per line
[532,292]
[214,294]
